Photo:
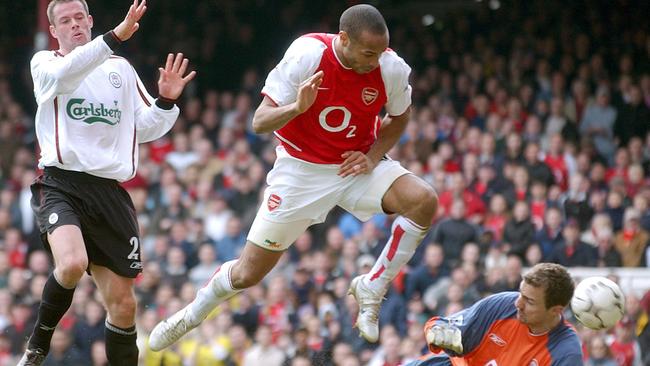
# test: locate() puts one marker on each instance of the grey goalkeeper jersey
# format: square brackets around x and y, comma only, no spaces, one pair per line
[93,111]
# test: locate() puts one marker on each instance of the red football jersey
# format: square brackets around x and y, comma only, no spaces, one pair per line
[345,115]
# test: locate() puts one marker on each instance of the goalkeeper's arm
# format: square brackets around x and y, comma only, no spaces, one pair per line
[460,333]
[445,336]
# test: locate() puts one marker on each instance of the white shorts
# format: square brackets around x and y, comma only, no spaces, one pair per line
[300,194]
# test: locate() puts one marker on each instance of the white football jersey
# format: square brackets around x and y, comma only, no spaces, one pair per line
[93,111]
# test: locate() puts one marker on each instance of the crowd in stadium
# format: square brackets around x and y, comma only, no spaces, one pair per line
[532,124]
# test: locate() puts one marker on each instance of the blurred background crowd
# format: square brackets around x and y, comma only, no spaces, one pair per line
[530,119]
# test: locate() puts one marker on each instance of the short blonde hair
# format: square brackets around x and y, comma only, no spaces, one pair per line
[53,3]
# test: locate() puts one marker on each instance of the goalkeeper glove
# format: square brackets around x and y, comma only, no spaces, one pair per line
[445,336]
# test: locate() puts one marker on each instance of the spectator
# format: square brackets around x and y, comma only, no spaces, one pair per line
[457,189]
[240,344]
[519,230]
[625,348]
[232,243]
[89,329]
[497,216]
[181,157]
[20,327]
[263,351]
[632,119]
[572,251]
[632,241]
[454,232]
[575,201]
[537,170]
[512,278]
[175,272]
[427,273]
[598,123]
[62,352]
[202,272]
[599,353]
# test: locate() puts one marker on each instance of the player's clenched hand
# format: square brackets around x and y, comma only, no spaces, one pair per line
[356,163]
[172,82]
[130,24]
[307,92]
[445,336]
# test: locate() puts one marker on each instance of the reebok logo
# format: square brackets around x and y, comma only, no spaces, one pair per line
[497,340]
[80,110]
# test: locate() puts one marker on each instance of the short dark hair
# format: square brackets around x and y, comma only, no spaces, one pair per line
[362,17]
[555,280]
[53,3]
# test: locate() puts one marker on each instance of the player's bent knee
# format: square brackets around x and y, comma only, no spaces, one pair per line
[427,201]
[122,309]
[70,270]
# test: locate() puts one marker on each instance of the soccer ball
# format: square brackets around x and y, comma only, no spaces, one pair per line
[598,303]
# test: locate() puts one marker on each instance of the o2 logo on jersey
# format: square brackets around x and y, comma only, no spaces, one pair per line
[369,95]
[533,363]
[115,79]
[347,115]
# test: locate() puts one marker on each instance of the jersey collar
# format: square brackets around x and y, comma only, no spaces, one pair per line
[337,56]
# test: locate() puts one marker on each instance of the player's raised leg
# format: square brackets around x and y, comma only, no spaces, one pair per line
[229,279]
[266,243]
[416,202]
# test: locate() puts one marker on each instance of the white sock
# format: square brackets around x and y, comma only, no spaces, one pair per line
[405,238]
[215,292]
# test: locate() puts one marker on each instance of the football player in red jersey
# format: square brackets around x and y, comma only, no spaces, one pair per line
[322,101]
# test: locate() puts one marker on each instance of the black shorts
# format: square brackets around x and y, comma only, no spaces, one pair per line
[100,207]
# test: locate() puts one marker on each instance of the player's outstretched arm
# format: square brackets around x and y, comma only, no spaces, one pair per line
[269,117]
[130,24]
[172,82]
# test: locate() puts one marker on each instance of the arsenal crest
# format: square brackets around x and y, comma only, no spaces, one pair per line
[273,202]
[369,95]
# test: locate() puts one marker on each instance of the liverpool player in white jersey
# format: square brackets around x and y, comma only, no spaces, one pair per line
[322,101]
[92,113]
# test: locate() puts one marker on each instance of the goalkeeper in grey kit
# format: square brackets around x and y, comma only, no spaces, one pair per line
[93,111]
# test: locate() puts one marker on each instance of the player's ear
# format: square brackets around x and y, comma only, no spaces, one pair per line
[345,38]
[90,21]
[557,309]
[52,30]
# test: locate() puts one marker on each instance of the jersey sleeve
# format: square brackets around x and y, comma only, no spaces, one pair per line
[395,73]
[564,346]
[151,121]
[300,61]
[574,359]
[476,320]
[54,75]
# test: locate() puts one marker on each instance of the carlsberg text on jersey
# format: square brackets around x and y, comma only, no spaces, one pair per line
[79,109]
